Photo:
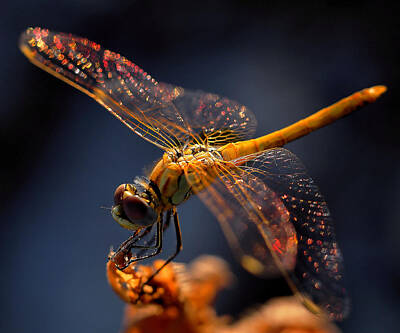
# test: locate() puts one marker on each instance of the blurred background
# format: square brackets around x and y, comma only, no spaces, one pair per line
[63,155]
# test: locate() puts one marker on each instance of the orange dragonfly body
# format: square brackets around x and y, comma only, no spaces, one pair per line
[270,210]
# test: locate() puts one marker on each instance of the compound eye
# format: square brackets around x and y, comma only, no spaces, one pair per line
[134,208]
[118,194]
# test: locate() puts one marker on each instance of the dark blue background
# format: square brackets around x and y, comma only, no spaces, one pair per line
[63,155]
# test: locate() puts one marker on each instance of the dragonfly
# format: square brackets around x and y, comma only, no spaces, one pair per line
[270,210]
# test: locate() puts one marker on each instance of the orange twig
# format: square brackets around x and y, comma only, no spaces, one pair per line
[179,300]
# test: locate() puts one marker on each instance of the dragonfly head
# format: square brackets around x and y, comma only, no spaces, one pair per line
[133,209]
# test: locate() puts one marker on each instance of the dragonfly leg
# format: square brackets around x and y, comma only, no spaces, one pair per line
[157,246]
[163,224]
[150,247]
[127,246]
[178,248]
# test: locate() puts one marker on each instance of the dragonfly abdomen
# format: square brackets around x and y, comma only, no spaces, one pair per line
[303,127]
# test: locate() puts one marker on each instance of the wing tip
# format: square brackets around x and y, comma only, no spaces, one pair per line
[29,39]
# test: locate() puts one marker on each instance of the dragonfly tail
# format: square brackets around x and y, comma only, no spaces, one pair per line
[305,126]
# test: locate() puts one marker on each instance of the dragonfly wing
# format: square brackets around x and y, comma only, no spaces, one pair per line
[215,118]
[254,219]
[123,88]
[166,115]
[319,264]
[270,198]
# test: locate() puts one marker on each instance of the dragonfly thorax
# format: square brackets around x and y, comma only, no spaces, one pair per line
[172,172]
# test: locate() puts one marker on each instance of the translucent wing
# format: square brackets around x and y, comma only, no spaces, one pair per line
[319,263]
[165,115]
[277,221]
[214,118]
[240,200]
